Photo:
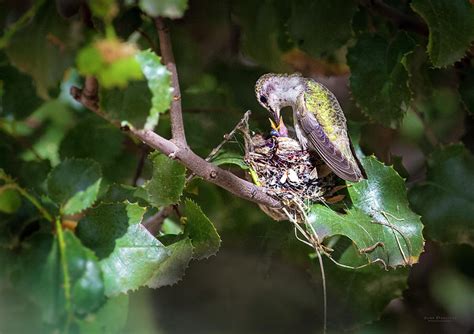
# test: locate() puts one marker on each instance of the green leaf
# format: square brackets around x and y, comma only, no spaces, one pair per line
[420,73]
[380,215]
[74,184]
[201,231]
[466,89]
[135,260]
[87,287]
[105,223]
[39,273]
[159,83]
[95,139]
[45,48]
[10,200]
[446,199]
[131,104]
[451,25]
[111,318]
[379,81]
[333,26]
[173,9]
[122,192]
[33,174]
[167,182]
[230,158]
[111,61]
[18,97]
[173,268]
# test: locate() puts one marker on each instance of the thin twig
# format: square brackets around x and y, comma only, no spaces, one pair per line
[226,137]
[148,38]
[153,224]
[176,114]
[141,164]
[65,269]
[11,184]
[313,241]
[325,298]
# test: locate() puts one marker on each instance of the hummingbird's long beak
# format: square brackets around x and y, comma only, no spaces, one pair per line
[277,120]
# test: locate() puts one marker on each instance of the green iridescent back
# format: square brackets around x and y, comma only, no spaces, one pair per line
[322,103]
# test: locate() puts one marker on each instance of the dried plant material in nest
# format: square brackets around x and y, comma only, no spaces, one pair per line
[288,172]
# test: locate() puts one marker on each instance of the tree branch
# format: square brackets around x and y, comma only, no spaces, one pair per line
[400,19]
[153,224]
[188,158]
[176,114]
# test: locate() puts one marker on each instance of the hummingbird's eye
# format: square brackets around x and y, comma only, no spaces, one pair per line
[263,99]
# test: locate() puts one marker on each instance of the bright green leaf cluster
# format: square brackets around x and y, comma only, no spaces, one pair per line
[111,61]
[159,82]
[141,102]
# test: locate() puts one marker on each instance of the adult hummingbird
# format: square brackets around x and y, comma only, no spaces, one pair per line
[319,121]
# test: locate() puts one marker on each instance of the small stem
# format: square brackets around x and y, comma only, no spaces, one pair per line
[154,223]
[325,298]
[148,39]
[140,165]
[10,184]
[36,203]
[65,269]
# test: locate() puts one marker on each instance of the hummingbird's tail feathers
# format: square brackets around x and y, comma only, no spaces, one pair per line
[357,161]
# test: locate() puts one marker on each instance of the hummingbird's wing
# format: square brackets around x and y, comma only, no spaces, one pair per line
[322,122]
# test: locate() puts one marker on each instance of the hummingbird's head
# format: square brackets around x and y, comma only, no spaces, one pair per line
[276,91]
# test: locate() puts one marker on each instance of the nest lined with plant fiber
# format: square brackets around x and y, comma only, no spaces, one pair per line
[290,174]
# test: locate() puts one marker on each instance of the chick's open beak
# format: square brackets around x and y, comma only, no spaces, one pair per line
[276,127]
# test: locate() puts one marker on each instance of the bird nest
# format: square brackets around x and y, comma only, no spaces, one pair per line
[289,173]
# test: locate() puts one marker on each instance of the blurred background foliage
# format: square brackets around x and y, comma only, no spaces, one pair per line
[403,72]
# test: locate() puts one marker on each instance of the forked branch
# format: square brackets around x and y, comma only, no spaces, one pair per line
[185,155]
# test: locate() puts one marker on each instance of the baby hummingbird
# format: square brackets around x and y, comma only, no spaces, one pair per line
[319,121]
